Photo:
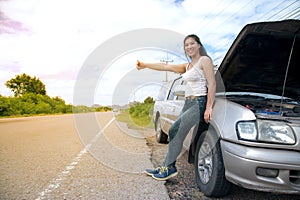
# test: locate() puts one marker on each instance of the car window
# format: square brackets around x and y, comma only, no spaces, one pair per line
[163,92]
[171,94]
[181,97]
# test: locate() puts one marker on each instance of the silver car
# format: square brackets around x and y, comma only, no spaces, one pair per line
[253,138]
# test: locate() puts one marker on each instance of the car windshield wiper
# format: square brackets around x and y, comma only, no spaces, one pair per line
[246,95]
[285,100]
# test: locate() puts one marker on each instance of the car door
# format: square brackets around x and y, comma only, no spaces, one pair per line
[173,105]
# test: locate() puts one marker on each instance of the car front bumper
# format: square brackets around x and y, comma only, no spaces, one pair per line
[269,170]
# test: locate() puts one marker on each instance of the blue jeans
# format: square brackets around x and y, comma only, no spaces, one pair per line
[192,115]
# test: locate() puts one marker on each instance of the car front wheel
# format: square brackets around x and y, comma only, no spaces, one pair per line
[209,167]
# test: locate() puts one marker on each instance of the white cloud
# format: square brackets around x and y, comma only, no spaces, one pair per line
[62,33]
[120,80]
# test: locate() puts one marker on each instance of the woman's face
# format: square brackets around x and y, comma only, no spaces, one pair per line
[191,47]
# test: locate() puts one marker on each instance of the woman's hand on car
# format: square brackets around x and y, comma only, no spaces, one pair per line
[207,115]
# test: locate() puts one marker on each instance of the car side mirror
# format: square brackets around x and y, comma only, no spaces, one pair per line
[179,90]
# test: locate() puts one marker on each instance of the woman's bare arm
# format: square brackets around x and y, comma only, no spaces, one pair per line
[208,69]
[180,68]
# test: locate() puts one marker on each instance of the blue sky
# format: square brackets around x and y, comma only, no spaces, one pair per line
[52,39]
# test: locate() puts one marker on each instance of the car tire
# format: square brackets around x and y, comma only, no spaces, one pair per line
[209,167]
[161,137]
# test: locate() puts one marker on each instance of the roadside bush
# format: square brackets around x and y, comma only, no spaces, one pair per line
[103,109]
[141,112]
[30,98]
[31,104]
[4,106]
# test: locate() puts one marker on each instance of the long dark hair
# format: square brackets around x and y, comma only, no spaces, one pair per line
[201,50]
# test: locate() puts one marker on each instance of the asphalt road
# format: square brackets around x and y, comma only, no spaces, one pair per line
[83,156]
[90,156]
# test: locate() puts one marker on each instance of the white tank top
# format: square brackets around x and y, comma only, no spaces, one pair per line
[196,81]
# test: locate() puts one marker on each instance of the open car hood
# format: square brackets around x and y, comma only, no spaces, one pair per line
[264,58]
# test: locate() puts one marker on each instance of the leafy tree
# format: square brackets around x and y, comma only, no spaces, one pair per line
[24,84]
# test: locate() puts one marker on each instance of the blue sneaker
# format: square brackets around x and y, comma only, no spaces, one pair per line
[165,173]
[150,172]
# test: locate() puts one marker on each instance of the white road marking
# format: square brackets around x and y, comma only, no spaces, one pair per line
[56,183]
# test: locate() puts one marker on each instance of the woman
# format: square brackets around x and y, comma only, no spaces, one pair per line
[197,109]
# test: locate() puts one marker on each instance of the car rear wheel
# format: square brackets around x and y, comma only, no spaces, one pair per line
[161,137]
[209,167]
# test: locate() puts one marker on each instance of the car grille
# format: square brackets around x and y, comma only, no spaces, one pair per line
[295,177]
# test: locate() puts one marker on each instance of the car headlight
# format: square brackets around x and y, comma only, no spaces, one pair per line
[247,130]
[266,131]
[275,131]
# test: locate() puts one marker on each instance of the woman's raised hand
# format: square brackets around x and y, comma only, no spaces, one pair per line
[139,65]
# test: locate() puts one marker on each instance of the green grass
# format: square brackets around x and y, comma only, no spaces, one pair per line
[134,122]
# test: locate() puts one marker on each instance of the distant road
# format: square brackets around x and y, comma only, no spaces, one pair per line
[44,158]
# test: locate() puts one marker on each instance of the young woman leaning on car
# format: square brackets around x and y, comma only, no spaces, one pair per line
[199,95]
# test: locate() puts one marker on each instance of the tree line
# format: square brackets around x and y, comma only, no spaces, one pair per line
[30,98]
